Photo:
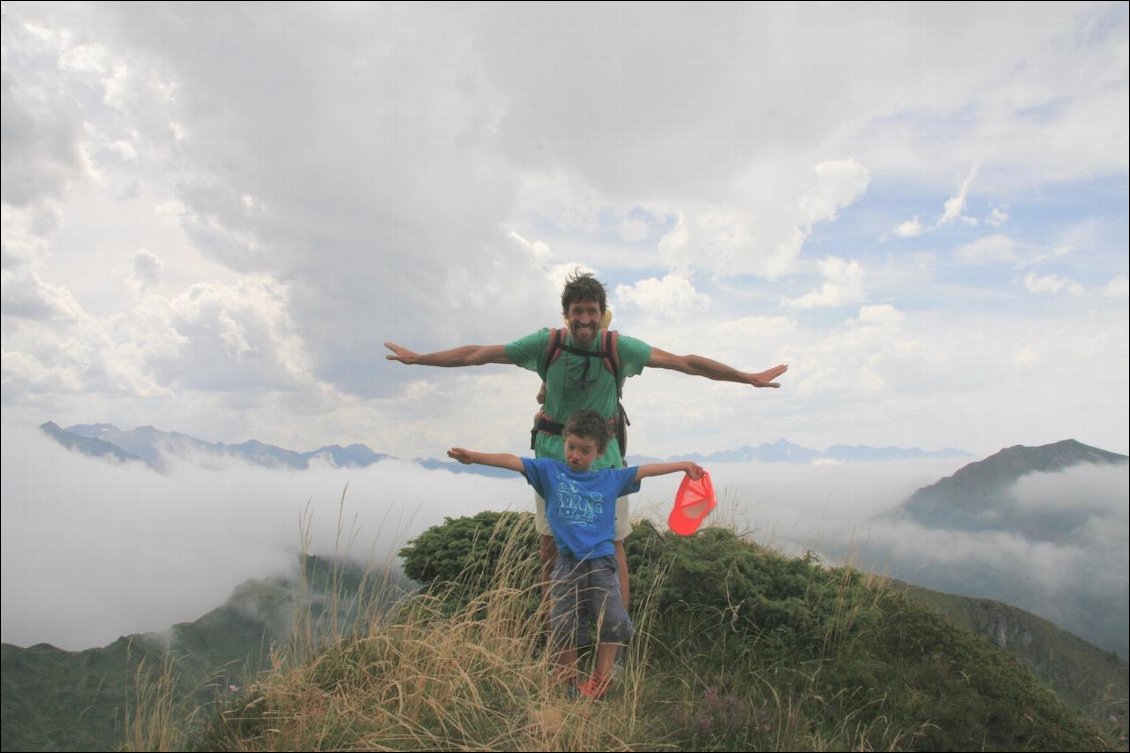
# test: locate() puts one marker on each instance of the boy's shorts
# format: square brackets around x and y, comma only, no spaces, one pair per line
[584,591]
[623,520]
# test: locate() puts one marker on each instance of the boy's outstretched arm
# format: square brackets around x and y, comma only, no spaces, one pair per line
[694,470]
[496,459]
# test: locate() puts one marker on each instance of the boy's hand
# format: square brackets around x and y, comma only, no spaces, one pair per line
[694,470]
[463,456]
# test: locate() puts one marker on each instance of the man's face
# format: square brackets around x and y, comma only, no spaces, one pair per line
[584,321]
[580,452]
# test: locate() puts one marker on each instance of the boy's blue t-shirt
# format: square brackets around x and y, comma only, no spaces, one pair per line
[580,506]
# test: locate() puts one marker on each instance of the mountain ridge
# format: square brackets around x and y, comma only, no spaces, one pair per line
[156,448]
[976,497]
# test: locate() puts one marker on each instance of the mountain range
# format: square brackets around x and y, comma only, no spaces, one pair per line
[1067,530]
[43,684]
[977,497]
[157,449]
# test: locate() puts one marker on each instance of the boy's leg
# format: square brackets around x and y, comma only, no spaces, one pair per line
[605,659]
[564,604]
[602,600]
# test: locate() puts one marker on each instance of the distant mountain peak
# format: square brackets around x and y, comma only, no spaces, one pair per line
[155,447]
[975,497]
[92,446]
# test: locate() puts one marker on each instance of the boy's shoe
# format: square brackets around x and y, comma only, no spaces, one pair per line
[595,687]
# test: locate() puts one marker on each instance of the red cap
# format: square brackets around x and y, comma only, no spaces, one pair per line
[693,502]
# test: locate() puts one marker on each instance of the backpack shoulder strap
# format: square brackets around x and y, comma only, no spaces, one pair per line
[552,348]
[612,357]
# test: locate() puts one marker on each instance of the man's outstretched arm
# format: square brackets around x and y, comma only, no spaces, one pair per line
[467,355]
[720,372]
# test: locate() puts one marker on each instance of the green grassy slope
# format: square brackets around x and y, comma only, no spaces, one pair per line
[738,649]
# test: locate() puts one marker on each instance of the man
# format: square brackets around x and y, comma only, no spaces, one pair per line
[577,379]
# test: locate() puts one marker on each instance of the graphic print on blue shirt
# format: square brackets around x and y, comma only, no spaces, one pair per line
[580,506]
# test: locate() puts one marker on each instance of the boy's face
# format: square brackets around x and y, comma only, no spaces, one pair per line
[580,452]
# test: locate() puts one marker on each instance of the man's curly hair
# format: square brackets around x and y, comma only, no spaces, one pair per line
[582,286]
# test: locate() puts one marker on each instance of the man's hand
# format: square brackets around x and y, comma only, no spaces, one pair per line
[765,378]
[463,456]
[401,354]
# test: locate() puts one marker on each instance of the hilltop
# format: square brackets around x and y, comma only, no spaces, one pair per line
[739,648]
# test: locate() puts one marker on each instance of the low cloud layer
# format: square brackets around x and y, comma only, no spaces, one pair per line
[93,550]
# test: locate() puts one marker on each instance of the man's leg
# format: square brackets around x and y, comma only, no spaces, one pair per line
[623,529]
[547,553]
[547,548]
[622,568]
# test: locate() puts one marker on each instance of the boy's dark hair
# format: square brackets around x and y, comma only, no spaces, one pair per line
[588,424]
[582,286]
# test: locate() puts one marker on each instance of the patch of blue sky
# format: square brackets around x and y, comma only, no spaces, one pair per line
[870,225]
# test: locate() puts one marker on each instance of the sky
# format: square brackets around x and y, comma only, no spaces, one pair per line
[214,215]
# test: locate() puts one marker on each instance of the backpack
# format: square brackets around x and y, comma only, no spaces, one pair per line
[610,356]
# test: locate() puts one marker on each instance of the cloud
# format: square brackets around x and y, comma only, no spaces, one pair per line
[1119,287]
[672,296]
[956,204]
[1051,284]
[427,176]
[538,249]
[76,528]
[988,249]
[843,285]
[953,210]
[76,542]
[880,313]
[43,135]
[764,235]
[910,228]
[146,269]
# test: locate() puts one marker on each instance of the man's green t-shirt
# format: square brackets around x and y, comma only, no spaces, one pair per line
[574,382]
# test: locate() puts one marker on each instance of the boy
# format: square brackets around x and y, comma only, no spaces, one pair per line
[581,510]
